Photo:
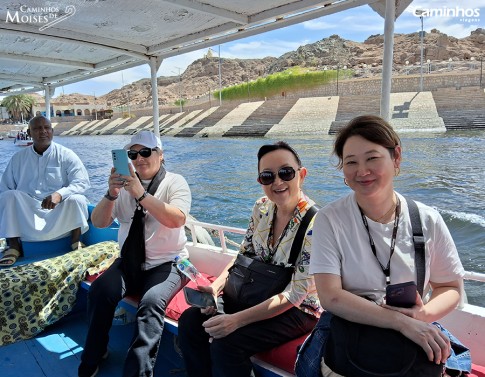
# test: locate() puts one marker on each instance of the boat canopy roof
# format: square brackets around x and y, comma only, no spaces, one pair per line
[53,43]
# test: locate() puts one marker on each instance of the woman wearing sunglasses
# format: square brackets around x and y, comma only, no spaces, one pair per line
[151,206]
[222,345]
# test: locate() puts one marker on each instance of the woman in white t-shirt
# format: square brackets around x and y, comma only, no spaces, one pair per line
[151,207]
[363,242]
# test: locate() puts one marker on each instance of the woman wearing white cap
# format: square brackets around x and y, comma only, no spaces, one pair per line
[151,206]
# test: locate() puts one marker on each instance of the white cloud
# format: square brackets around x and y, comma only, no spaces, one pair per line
[260,48]
[318,24]
[170,66]
[127,76]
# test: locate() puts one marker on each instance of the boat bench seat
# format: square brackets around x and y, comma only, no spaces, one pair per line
[279,360]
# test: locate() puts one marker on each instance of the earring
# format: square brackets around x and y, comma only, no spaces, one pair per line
[345,181]
[397,171]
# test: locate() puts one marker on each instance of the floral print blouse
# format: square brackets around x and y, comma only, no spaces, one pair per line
[257,243]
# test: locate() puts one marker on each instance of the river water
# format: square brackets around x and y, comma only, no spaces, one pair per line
[445,171]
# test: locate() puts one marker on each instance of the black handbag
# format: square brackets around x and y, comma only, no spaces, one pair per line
[251,281]
[367,351]
[358,350]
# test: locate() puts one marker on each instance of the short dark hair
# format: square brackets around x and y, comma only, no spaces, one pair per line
[265,149]
[372,128]
[36,119]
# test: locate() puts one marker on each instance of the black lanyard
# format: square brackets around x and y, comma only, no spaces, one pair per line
[386,270]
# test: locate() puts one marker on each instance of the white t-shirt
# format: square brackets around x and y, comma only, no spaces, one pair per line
[162,244]
[341,247]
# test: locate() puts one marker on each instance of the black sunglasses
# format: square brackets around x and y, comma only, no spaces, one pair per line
[144,152]
[268,177]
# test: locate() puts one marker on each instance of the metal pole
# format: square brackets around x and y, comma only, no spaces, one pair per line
[247,80]
[128,97]
[154,65]
[220,78]
[481,70]
[47,95]
[95,107]
[422,52]
[385,108]
[180,92]
[338,66]
[127,94]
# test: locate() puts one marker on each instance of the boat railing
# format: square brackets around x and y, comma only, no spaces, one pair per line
[221,229]
[476,276]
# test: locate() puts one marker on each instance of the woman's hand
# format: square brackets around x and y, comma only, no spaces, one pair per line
[210,310]
[436,344]
[429,337]
[115,183]
[221,325]
[132,184]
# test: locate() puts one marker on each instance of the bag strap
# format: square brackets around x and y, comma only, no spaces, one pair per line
[300,234]
[418,240]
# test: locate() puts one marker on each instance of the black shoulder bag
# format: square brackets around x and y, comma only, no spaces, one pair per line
[357,350]
[251,281]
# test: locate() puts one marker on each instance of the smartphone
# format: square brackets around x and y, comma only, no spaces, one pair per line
[120,161]
[199,299]
[402,295]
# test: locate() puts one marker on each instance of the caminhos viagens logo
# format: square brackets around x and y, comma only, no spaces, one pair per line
[464,14]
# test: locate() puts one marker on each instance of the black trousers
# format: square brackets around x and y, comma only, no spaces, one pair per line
[160,284]
[230,356]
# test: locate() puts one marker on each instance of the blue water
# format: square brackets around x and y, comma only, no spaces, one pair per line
[445,171]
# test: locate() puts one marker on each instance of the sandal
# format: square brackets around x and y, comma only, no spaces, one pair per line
[9,257]
[77,245]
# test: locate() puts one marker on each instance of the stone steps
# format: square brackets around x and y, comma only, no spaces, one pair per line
[258,130]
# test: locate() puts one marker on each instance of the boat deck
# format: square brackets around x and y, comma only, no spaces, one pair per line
[56,352]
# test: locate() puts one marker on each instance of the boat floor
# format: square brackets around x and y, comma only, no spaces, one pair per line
[56,352]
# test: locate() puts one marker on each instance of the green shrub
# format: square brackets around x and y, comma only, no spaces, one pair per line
[293,79]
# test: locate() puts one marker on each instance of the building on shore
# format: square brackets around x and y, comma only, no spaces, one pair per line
[85,109]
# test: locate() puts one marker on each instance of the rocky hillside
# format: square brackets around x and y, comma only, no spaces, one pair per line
[202,76]
[199,78]
[438,48]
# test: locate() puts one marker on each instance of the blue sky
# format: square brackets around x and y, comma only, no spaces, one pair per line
[359,23]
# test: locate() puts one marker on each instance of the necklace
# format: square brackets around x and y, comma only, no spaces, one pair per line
[387,213]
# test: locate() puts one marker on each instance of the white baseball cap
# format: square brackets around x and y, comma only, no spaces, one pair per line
[145,138]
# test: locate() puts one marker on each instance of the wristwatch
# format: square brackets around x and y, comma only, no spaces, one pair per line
[142,197]
[109,197]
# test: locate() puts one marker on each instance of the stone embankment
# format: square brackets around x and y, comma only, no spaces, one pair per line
[431,111]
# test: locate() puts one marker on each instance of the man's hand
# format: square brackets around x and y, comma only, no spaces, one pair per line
[51,201]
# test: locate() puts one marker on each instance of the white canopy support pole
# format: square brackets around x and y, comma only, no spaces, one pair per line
[387,59]
[48,94]
[154,65]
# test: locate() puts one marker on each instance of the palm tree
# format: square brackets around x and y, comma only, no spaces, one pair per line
[19,106]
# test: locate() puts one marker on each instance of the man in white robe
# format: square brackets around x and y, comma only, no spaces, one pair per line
[41,193]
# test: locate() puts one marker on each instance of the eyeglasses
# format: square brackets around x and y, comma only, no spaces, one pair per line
[268,177]
[144,152]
